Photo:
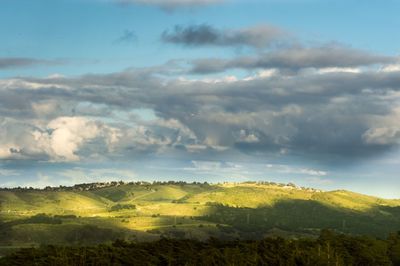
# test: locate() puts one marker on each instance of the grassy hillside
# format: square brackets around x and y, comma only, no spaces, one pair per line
[146,212]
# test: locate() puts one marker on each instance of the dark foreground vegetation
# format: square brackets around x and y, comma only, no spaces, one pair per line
[328,249]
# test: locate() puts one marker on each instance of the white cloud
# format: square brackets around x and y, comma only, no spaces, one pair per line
[44,108]
[31,85]
[382,135]
[339,70]
[60,139]
[286,169]
[214,166]
[384,130]
[247,137]
[391,68]
[69,133]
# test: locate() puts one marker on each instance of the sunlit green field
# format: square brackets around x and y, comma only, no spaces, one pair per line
[147,212]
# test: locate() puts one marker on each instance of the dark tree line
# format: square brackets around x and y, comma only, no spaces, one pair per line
[100,185]
[329,249]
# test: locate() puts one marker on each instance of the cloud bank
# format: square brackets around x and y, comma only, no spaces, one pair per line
[329,56]
[92,117]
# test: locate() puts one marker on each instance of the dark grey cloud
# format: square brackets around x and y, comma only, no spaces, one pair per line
[295,59]
[20,62]
[348,115]
[203,35]
[171,5]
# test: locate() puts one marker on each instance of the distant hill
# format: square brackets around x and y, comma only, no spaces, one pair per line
[101,212]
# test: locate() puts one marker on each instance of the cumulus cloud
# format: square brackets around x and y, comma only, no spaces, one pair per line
[68,133]
[205,35]
[59,140]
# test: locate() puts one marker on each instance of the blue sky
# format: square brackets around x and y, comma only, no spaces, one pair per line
[288,91]
[86,32]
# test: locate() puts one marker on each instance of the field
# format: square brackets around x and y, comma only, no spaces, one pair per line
[146,212]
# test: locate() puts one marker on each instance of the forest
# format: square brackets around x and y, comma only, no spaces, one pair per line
[329,248]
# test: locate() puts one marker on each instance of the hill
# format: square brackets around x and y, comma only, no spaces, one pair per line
[103,212]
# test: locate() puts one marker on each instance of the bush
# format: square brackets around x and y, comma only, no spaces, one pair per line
[42,218]
[119,207]
[90,234]
[66,216]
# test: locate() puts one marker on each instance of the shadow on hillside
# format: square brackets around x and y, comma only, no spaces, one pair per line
[306,216]
[61,229]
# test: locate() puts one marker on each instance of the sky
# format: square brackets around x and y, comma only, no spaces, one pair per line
[301,91]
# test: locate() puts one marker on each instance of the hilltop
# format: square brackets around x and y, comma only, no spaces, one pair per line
[142,211]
